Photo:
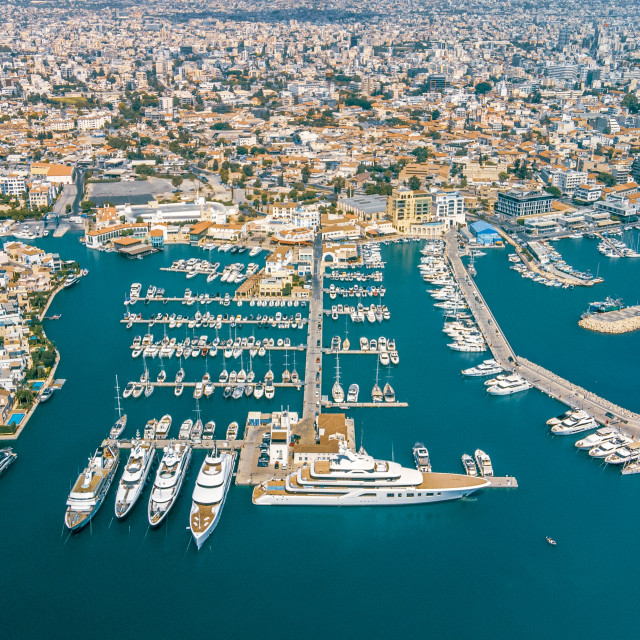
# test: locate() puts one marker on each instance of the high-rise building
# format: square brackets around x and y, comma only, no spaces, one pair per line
[564,37]
[406,207]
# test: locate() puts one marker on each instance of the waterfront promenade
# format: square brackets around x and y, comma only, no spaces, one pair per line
[554,386]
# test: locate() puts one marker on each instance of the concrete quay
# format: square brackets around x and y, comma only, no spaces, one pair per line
[313,366]
[225,445]
[554,386]
[358,405]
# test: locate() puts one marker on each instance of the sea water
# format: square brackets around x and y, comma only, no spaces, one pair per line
[479,567]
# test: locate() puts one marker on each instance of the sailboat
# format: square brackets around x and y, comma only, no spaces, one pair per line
[376,392]
[224,374]
[295,378]
[162,375]
[337,391]
[269,375]
[346,345]
[242,374]
[286,374]
[121,422]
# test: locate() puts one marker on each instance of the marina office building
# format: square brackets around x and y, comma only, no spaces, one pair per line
[518,203]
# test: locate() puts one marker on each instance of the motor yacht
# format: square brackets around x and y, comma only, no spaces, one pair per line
[578,422]
[593,440]
[421,458]
[168,481]
[484,463]
[134,476]
[352,393]
[91,487]
[209,494]
[351,479]
[469,465]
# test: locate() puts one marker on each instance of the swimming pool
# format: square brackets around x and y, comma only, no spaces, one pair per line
[37,384]
[16,418]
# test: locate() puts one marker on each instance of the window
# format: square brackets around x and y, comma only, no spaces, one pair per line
[389,495]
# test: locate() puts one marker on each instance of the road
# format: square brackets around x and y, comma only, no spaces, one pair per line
[313,367]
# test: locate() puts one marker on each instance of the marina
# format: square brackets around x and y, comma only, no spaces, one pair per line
[493,428]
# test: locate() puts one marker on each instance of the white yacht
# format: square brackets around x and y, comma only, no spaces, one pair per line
[578,422]
[609,446]
[551,422]
[421,458]
[469,465]
[232,431]
[163,426]
[134,476]
[355,479]
[486,368]
[625,454]
[600,436]
[169,477]
[352,393]
[91,487]
[484,463]
[210,493]
[511,384]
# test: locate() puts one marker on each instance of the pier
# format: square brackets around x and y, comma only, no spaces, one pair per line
[273,323]
[605,412]
[313,366]
[225,445]
[290,385]
[362,405]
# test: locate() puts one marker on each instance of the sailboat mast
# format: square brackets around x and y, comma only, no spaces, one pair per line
[118,398]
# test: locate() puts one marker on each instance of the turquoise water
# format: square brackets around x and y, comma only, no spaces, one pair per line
[479,566]
[15,418]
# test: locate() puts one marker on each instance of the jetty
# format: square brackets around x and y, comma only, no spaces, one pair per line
[619,321]
[313,365]
[604,411]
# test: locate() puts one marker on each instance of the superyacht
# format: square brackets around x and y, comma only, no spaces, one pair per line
[210,493]
[134,476]
[354,479]
[166,487]
[91,487]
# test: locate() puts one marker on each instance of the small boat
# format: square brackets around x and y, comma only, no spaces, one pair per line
[232,431]
[469,465]
[7,458]
[551,541]
[421,458]
[484,463]
[388,393]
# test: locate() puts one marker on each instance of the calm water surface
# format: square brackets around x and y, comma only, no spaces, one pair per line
[479,566]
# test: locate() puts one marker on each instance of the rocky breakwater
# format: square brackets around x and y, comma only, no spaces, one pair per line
[620,321]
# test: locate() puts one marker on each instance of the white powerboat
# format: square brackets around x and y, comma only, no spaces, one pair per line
[169,478]
[134,476]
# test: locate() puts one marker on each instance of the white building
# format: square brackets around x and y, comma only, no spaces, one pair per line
[448,207]
[12,185]
[280,432]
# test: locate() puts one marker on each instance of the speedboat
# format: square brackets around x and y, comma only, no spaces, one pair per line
[352,393]
[134,476]
[169,477]
[209,494]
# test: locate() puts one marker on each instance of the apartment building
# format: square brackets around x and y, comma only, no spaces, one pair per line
[519,203]
[406,208]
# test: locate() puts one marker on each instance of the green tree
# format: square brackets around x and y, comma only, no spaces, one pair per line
[435,114]
[606,178]
[554,191]
[483,87]
[176,181]
[630,101]
[414,183]
[306,174]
